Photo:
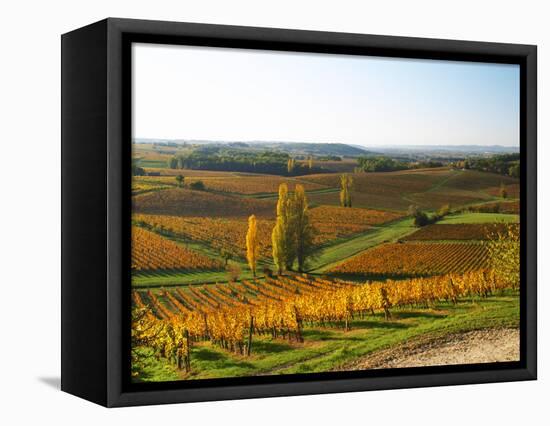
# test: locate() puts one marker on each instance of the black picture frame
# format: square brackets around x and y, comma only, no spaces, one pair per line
[96,204]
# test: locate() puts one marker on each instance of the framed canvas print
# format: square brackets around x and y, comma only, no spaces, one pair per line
[253,212]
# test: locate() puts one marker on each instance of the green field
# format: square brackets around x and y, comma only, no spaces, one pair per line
[340,250]
[480,218]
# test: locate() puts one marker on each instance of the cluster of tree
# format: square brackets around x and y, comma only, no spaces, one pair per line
[240,160]
[291,165]
[427,164]
[503,164]
[293,233]
[197,185]
[346,185]
[292,236]
[380,164]
[421,218]
[137,171]
[388,164]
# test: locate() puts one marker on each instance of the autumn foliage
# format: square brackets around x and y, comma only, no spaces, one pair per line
[229,315]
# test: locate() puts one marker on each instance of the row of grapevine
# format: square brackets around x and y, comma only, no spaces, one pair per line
[229,315]
[152,252]
[417,259]
[459,231]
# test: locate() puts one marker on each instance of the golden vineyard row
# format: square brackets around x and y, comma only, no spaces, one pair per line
[228,316]
[417,258]
[151,252]
[330,222]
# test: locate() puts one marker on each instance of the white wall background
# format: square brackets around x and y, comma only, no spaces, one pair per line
[30,211]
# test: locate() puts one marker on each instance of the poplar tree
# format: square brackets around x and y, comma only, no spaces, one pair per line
[252,244]
[277,247]
[290,165]
[346,183]
[282,241]
[303,229]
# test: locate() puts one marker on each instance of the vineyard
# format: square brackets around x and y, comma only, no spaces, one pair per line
[357,219]
[220,233]
[231,315]
[228,234]
[250,185]
[216,292]
[152,252]
[466,231]
[185,202]
[427,188]
[497,207]
[397,259]
[512,190]
[237,183]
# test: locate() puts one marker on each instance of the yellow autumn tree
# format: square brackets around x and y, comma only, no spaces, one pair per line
[252,244]
[291,163]
[504,254]
[277,247]
[346,183]
[283,247]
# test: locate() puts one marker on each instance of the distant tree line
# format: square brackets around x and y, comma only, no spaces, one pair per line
[329,158]
[503,164]
[388,164]
[228,159]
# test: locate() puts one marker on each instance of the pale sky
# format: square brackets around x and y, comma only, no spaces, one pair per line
[182,92]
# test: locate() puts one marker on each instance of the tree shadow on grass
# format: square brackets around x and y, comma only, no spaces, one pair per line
[204,354]
[406,315]
[269,347]
[219,359]
[387,325]
[316,334]
[338,333]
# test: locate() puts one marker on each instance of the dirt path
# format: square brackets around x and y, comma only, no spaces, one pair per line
[481,346]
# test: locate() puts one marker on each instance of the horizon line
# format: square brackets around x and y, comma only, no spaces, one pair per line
[176,140]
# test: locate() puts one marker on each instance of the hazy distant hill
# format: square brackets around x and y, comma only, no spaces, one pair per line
[447,149]
[340,149]
[294,148]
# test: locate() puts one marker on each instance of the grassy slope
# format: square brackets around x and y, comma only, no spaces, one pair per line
[175,277]
[325,349]
[342,250]
[480,218]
